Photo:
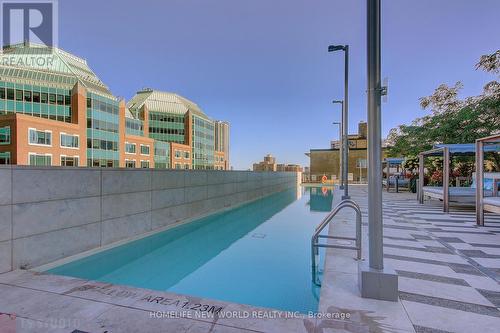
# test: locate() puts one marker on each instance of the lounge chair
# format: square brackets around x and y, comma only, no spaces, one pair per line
[465,195]
[492,204]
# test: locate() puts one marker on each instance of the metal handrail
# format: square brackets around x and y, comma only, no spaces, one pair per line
[315,245]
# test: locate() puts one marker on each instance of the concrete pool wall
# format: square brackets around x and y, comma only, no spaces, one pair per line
[48,214]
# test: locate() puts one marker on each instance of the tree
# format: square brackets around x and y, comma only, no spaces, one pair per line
[452,120]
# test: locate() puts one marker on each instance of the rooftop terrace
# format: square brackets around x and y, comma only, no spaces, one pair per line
[448,282]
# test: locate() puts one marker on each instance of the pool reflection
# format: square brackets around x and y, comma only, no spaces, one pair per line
[321,199]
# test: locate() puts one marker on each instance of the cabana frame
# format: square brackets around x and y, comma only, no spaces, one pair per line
[481,206]
[388,162]
[445,151]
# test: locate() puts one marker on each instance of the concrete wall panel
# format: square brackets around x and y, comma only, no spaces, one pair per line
[44,248]
[195,193]
[117,181]
[163,179]
[124,204]
[5,223]
[125,227]
[167,216]
[5,256]
[32,185]
[195,178]
[5,186]
[50,213]
[39,217]
[167,198]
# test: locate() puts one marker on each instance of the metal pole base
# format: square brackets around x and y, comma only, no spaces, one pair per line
[344,197]
[379,284]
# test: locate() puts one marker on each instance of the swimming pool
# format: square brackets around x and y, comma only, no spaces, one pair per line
[256,254]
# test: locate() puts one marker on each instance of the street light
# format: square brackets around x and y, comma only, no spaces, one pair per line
[340,127]
[333,48]
[341,135]
[345,122]
[376,281]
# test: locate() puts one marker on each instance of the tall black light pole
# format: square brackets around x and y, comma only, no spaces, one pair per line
[345,121]
[341,143]
[376,281]
[375,219]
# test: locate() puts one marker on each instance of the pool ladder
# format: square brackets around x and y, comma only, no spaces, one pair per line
[315,245]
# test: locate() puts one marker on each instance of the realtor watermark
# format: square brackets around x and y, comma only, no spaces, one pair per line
[10,323]
[29,21]
[7,323]
[254,314]
[40,61]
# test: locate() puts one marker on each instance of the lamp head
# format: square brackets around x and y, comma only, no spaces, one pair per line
[333,48]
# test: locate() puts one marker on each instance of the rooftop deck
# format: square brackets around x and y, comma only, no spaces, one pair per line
[448,281]
[449,270]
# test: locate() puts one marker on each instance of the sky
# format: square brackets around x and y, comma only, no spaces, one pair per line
[263,65]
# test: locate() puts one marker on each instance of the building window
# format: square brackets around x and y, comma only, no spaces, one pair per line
[69,140]
[10,93]
[134,127]
[5,135]
[160,151]
[144,150]
[102,144]
[186,155]
[103,163]
[71,161]
[40,160]
[36,97]
[102,125]
[177,165]
[129,163]
[19,95]
[27,96]
[98,105]
[144,164]
[177,153]
[40,137]
[361,163]
[4,158]
[44,97]
[129,148]
[186,166]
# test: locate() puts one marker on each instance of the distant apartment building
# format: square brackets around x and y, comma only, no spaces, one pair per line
[289,167]
[326,162]
[221,145]
[55,111]
[269,164]
[356,141]
[306,174]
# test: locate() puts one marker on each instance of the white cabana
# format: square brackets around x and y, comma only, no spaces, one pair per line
[459,195]
[393,179]
[485,202]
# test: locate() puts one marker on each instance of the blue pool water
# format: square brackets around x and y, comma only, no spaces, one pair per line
[257,254]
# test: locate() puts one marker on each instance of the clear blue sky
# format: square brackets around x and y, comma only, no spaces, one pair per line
[263,65]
